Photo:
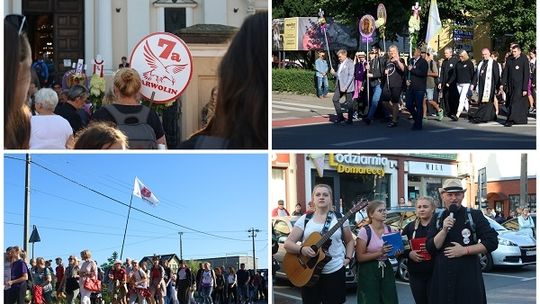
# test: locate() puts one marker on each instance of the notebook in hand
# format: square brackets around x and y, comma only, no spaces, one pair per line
[419,244]
[393,239]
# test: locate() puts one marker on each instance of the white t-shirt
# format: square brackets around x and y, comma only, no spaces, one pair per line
[49,132]
[336,250]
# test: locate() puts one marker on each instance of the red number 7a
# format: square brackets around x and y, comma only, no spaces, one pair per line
[169,45]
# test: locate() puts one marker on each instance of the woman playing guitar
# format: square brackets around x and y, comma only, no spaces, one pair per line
[330,287]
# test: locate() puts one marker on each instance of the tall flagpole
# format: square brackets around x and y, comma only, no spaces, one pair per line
[125,230]
[322,24]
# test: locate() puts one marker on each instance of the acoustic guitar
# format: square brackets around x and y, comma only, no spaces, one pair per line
[304,271]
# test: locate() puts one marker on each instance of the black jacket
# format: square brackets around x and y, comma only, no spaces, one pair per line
[418,74]
[464,71]
[448,71]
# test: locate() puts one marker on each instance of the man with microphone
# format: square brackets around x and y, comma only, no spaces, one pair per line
[453,242]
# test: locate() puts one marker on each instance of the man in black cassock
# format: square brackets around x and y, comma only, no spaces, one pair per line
[514,80]
[447,83]
[452,241]
[486,81]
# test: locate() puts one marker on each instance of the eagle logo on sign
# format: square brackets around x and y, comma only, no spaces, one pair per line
[166,71]
[145,192]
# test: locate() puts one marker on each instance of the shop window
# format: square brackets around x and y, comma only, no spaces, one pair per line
[175,19]
[514,201]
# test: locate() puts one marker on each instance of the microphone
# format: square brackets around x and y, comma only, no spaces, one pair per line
[453,208]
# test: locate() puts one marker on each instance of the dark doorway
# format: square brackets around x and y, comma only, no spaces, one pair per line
[56,27]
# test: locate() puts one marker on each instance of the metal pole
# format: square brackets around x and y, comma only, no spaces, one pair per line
[125,229]
[327,46]
[27,206]
[253,232]
[523,191]
[180,234]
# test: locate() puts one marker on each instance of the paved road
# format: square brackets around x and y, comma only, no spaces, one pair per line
[503,286]
[301,122]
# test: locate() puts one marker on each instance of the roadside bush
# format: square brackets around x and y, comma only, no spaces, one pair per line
[297,81]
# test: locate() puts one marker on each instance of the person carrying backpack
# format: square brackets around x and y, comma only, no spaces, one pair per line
[376,282]
[139,123]
[207,283]
[330,287]
[42,71]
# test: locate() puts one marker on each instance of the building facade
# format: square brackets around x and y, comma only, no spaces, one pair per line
[70,30]
[229,261]
[355,176]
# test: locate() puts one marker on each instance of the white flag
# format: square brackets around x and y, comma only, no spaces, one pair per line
[434,22]
[141,191]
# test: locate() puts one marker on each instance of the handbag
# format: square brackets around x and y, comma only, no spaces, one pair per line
[92,284]
[37,291]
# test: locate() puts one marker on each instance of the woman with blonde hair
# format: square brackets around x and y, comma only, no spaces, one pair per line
[420,264]
[88,270]
[330,288]
[375,277]
[69,283]
[127,110]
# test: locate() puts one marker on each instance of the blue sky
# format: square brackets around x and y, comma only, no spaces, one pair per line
[224,195]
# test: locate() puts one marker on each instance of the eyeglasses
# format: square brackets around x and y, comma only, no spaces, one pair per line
[18,21]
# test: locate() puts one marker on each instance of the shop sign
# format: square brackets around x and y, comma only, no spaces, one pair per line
[432,169]
[358,164]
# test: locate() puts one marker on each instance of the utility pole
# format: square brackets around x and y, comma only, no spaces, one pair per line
[523,191]
[180,234]
[27,205]
[253,234]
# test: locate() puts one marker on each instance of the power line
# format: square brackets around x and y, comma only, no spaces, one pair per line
[126,205]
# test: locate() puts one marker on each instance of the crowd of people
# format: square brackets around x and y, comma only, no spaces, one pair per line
[443,250]
[38,117]
[449,85]
[83,281]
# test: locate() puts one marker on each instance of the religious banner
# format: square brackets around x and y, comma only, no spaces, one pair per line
[164,63]
[306,33]
[366,27]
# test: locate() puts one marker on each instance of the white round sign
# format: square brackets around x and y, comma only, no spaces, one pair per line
[164,63]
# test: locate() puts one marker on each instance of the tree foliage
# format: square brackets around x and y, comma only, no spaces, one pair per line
[507,18]
[293,8]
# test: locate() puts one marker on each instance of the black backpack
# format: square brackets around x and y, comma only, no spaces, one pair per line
[139,133]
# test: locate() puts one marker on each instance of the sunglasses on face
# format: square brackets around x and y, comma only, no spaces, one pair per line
[18,21]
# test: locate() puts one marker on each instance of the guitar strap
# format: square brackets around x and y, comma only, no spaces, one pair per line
[327,223]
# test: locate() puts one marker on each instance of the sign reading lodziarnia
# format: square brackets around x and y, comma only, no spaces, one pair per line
[164,63]
[358,164]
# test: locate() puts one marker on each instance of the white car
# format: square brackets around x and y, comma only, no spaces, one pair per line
[515,249]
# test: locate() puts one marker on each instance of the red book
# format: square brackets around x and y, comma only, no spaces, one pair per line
[419,244]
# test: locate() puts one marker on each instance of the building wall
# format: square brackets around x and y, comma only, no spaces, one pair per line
[206,59]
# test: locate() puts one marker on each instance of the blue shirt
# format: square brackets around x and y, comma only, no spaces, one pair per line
[321,66]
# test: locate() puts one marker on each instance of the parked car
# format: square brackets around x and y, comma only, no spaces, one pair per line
[515,249]
[282,227]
